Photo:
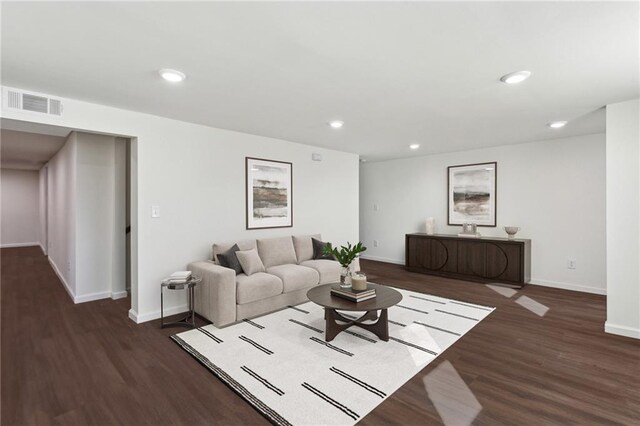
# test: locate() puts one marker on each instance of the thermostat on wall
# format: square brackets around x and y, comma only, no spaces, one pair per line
[316,157]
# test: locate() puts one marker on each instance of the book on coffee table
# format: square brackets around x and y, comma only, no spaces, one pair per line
[353,295]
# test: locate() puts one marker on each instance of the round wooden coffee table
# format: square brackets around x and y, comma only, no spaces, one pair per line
[385,298]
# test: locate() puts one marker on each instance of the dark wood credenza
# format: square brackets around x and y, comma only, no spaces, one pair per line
[483,259]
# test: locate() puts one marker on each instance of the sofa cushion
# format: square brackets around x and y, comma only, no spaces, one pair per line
[258,286]
[304,247]
[222,247]
[250,261]
[295,277]
[228,259]
[318,250]
[277,251]
[329,270]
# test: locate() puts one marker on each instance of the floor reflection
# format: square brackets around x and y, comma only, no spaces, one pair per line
[505,291]
[530,304]
[422,338]
[451,396]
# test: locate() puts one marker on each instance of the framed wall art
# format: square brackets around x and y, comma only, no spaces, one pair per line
[472,194]
[269,193]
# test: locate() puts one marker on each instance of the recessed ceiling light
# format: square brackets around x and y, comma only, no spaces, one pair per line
[363,160]
[557,124]
[336,124]
[414,146]
[515,77]
[173,76]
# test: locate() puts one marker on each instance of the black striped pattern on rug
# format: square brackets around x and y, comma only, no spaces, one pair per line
[262,408]
[207,333]
[413,346]
[256,325]
[412,309]
[331,401]
[262,380]
[360,336]
[330,346]
[310,327]
[359,382]
[457,315]
[256,345]
[469,305]
[295,308]
[437,328]
[428,300]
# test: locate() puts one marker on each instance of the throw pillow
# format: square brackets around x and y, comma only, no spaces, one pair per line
[228,259]
[250,261]
[318,247]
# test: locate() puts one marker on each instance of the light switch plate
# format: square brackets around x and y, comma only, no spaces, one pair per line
[155,211]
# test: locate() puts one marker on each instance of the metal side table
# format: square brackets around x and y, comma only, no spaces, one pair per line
[190,319]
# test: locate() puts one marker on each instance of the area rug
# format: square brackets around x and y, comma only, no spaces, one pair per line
[281,365]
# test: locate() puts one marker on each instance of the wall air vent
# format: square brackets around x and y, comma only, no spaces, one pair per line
[33,103]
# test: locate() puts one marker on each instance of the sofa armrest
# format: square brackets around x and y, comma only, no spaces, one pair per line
[215,296]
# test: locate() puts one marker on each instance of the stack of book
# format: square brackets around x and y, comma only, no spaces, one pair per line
[179,277]
[354,295]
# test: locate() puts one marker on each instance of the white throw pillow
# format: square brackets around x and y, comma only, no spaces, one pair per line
[250,261]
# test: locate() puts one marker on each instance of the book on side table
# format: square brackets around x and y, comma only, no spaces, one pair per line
[179,277]
[353,295]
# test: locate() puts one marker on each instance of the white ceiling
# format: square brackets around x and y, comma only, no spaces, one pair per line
[27,151]
[396,73]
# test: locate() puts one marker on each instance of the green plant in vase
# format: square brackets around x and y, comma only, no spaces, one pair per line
[345,255]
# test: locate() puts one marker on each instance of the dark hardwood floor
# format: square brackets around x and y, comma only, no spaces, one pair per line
[89,364]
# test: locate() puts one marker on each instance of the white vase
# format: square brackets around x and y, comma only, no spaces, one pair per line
[430,225]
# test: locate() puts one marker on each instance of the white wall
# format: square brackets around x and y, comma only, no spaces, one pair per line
[196,175]
[42,208]
[61,208]
[554,190]
[623,219]
[20,206]
[100,214]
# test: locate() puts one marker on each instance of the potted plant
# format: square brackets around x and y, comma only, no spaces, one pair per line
[345,256]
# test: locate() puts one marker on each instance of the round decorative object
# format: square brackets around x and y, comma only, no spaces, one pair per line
[345,277]
[358,281]
[511,231]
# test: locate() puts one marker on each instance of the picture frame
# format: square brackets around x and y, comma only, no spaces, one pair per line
[471,191]
[268,193]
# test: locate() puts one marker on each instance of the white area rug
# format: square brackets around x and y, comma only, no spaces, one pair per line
[282,366]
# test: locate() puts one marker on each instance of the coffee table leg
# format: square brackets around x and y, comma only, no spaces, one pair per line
[331,326]
[383,325]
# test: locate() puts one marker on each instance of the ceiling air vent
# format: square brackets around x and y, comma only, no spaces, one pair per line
[55,107]
[34,103]
[15,99]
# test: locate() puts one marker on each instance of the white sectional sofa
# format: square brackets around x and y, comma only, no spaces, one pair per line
[224,297]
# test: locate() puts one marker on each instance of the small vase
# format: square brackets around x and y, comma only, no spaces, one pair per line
[345,282]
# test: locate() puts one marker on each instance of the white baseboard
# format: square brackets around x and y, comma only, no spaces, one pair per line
[133,316]
[85,297]
[11,245]
[567,286]
[92,296]
[383,259]
[61,278]
[622,330]
[534,281]
[118,295]
[150,316]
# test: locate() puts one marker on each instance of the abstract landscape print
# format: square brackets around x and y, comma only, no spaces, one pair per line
[472,194]
[268,193]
